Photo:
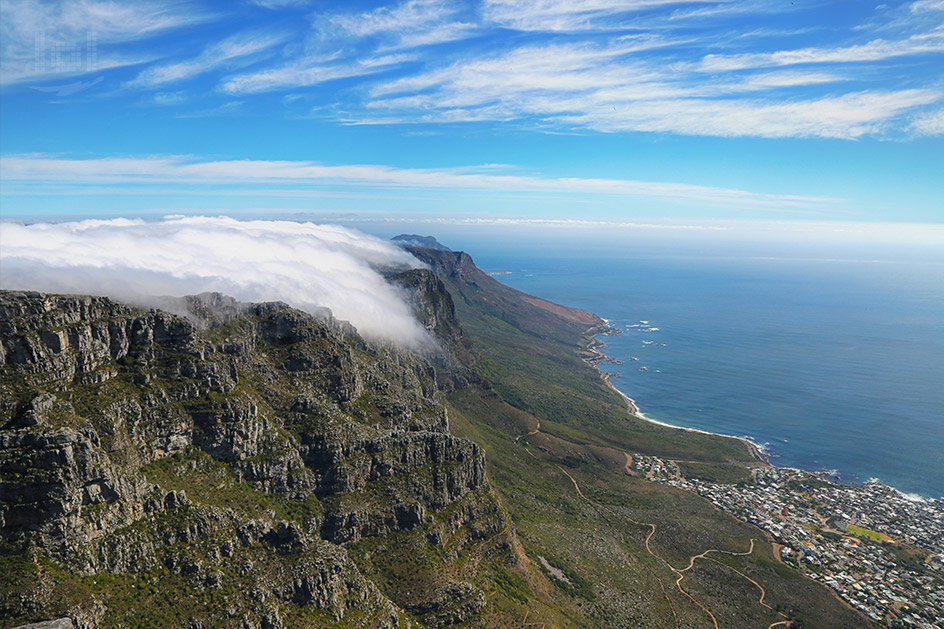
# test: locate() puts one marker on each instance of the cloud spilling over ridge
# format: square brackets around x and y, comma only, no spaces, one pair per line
[306,265]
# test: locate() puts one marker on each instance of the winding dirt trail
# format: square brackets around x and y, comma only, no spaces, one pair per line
[756,584]
[533,432]
[652,531]
[678,584]
[704,555]
[691,562]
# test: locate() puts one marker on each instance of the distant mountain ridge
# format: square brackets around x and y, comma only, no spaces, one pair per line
[415,240]
[474,287]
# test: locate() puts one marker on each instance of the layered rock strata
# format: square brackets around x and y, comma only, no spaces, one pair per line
[230,448]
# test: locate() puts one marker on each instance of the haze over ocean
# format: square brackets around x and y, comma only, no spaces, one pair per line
[831,364]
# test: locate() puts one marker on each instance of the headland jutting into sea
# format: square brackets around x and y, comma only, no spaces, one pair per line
[879,549]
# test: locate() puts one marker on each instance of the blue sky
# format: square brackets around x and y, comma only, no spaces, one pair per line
[606,111]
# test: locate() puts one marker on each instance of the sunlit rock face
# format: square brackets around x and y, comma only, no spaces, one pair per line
[227,436]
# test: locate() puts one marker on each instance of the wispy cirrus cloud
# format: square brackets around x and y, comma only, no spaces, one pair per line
[411,15]
[568,68]
[610,88]
[345,45]
[848,116]
[282,4]
[920,15]
[303,73]
[711,12]
[408,24]
[922,6]
[33,34]
[438,34]
[876,50]
[768,80]
[238,48]
[570,15]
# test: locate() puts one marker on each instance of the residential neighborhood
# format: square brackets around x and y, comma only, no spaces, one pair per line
[880,550]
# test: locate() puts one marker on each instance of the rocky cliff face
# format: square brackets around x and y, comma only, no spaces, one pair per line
[236,450]
[453,357]
[476,294]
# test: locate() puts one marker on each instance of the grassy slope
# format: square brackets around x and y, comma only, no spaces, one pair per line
[602,537]
[538,375]
[533,354]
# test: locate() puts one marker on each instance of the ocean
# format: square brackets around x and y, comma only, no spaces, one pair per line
[832,365]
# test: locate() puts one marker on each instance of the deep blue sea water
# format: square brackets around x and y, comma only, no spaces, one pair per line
[830,364]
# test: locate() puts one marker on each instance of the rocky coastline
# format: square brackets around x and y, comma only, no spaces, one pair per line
[595,356]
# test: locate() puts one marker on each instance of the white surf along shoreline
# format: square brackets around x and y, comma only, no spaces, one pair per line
[759,449]
[595,345]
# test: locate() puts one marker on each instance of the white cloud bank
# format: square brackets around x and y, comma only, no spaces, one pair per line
[306,265]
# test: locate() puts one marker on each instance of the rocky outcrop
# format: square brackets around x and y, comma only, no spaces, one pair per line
[109,413]
[476,294]
[61,490]
[454,357]
[415,240]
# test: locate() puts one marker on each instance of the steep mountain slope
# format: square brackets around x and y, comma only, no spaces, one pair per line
[233,468]
[251,465]
[558,442]
[535,354]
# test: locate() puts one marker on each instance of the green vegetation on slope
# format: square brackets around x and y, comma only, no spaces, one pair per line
[535,357]
[556,439]
[601,538]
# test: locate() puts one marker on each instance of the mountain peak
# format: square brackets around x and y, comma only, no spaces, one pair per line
[415,240]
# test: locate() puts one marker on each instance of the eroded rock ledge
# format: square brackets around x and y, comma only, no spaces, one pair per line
[235,450]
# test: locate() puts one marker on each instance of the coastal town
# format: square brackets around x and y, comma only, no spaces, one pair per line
[879,550]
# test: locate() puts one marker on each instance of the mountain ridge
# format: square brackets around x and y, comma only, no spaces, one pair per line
[253,465]
[299,414]
[415,240]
